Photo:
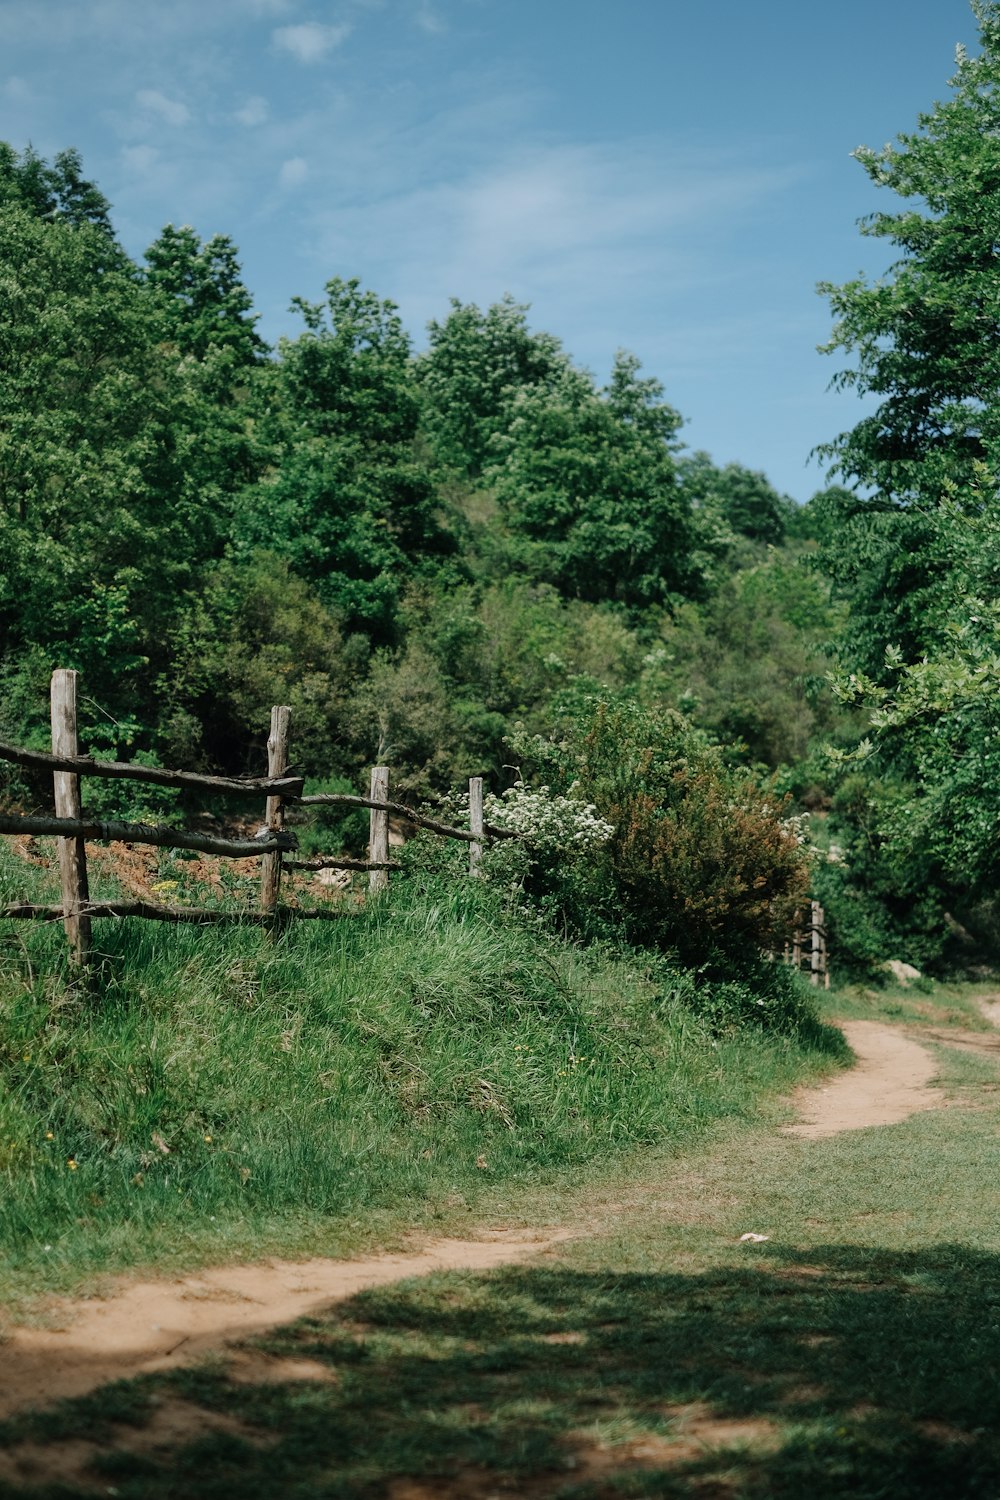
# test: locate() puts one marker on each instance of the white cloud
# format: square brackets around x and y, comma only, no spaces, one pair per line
[430,21]
[254,112]
[293,172]
[311,41]
[170,110]
[140,160]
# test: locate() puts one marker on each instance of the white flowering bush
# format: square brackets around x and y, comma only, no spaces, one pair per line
[548,822]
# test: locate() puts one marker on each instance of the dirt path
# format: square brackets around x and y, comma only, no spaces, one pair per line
[161,1325]
[890,1082]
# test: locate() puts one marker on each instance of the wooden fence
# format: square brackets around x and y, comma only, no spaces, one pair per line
[272,844]
[807,950]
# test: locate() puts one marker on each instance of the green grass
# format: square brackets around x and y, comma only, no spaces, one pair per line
[217,1094]
[925,1002]
[854,1353]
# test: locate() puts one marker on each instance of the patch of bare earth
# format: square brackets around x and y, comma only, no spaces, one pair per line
[161,1325]
[890,1082]
[696,1432]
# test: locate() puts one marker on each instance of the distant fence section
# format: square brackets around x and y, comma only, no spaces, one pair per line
[273,844]
[807,950]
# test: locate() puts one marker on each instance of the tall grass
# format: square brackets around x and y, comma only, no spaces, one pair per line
[213,1084]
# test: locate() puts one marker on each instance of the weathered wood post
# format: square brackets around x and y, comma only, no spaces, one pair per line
[797,944]
[274,813]
[816,955]
[66,786]
[475,823]
[378,831]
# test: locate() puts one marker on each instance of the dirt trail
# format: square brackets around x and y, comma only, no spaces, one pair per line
[890,1082]
[160,1325]
[164,1324]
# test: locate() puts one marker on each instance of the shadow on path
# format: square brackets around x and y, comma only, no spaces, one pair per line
[842,1372]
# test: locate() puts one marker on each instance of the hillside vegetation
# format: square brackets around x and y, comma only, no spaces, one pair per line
[474,558]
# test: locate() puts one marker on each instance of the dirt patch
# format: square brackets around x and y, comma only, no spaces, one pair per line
[990,1005]
[161,1325]
[174,1423]
[890,1082]
[698,1431]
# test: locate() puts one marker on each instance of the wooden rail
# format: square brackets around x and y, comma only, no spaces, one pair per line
[271,844]
[86,765]
[114,831]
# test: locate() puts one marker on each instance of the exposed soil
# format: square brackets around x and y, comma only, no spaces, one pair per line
[164,1324]
[160,1325]
[892,1080]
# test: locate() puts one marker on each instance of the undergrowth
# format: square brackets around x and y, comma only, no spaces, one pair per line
[214,1090]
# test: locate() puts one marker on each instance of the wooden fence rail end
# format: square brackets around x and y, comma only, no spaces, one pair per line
[112,831]
[86,765]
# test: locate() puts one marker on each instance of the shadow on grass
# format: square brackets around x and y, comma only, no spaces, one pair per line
[841,1372]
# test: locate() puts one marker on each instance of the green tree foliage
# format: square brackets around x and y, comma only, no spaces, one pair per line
[253,635]
[475,367]
[208,307]
[104,510]
[349,502]
[587,483]
[742,499]
[55,190]
[927,336]
[917,557]
[750,663]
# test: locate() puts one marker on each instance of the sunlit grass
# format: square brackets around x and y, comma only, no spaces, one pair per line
[217,1093]
[851,1354]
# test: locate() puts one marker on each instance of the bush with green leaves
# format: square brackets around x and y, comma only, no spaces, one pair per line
[703,860]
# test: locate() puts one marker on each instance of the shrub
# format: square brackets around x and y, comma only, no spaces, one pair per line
[702,862]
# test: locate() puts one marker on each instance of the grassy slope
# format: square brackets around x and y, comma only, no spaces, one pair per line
[855,1353]
[221,1095]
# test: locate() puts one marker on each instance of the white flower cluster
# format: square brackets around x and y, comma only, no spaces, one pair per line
[798,826]
[547,822]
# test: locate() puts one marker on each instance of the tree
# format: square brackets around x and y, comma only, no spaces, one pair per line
[927,335]
[114,489]
[472,373]
[588,481]
[349,502]
[744,499]
[208,306]
[52,191]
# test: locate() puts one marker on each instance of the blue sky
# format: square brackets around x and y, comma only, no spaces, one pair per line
[668,178]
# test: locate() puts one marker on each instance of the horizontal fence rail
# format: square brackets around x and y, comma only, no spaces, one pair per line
[409,814]
[86,765]
[201,916]
[113,831]
[271,845]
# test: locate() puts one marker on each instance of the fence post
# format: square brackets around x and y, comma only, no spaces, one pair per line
[816,957]
[475,823]
[66,787]
[274,812]
[378,831]
[797,943]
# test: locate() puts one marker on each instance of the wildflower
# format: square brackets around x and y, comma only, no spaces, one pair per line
[207,1139]
[72,1164]
[49,1136]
